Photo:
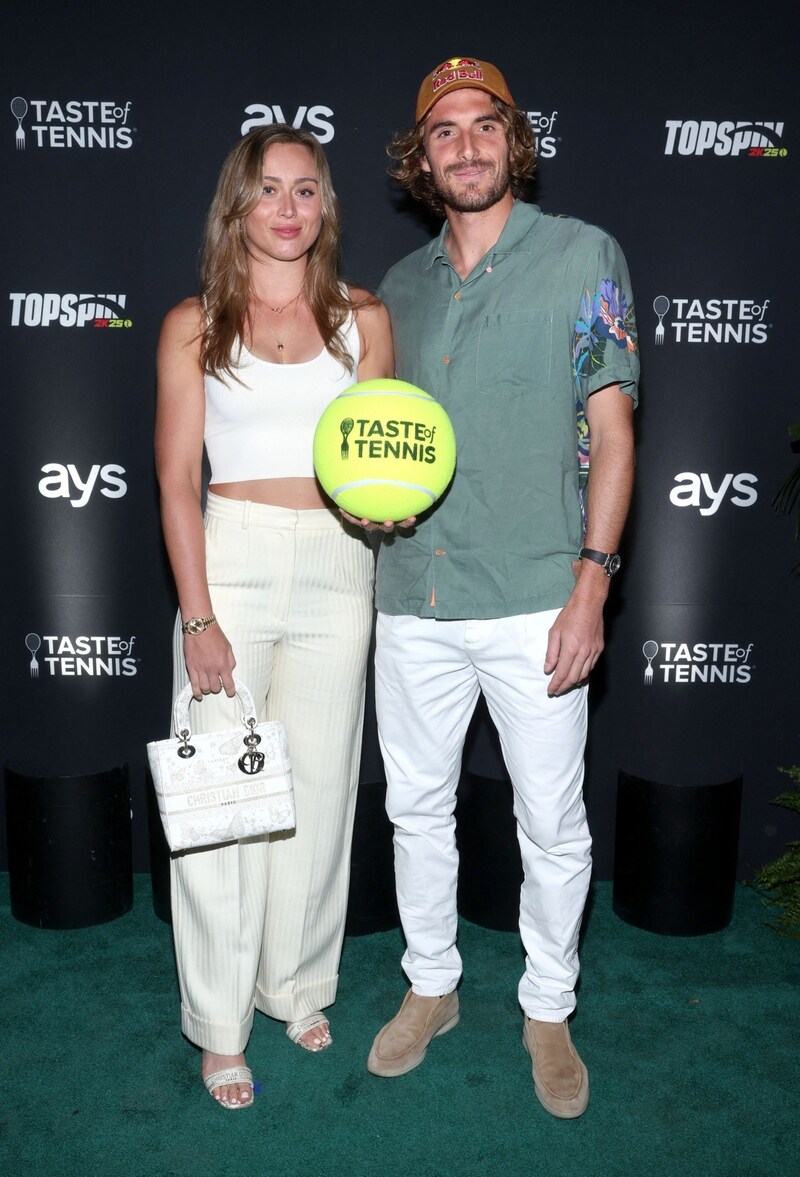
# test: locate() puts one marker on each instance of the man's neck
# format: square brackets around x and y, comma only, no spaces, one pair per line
[471,235]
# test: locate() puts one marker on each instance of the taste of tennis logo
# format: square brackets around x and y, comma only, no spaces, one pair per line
[710,320]
[374,438]
[542,124]
[98,656]
[696,662]
[76,123]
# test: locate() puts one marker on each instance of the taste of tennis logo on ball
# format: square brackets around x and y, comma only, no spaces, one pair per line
[384,450]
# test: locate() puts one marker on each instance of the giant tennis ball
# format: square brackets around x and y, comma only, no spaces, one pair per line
[384,450]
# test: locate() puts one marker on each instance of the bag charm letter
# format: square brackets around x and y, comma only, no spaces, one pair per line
[251,761]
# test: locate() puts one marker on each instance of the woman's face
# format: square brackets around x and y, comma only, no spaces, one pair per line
[287,219]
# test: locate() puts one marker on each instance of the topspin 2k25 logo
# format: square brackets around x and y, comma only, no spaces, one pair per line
[36,309]
[690,137]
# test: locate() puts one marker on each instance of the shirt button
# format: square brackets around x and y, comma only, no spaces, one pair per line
[445,359]
[440,552]
[457,296]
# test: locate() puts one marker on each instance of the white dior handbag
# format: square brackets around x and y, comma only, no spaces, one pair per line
[221,786]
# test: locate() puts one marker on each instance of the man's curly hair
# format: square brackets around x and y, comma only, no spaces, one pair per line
[407,151]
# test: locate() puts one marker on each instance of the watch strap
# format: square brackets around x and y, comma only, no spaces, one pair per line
[608,561]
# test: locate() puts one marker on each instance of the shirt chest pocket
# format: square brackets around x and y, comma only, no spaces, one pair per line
[514,356]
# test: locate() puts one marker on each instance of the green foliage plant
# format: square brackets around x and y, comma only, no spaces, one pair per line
[787,498]
[779,881]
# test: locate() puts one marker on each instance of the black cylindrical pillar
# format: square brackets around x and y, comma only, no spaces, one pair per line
[490,866]
[675,855]
[69,847]
[371,904]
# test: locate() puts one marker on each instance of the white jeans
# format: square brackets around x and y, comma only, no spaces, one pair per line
[428,675]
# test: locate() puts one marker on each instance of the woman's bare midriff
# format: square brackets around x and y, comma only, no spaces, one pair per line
[298,494]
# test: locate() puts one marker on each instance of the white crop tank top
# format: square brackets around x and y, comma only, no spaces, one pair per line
[264,427]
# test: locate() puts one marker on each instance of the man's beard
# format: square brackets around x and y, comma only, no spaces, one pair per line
[463,200]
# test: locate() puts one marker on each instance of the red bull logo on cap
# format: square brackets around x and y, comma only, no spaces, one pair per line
[456,69]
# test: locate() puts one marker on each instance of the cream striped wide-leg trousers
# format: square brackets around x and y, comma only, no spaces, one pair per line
[261,922]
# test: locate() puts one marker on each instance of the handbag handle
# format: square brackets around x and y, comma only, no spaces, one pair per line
[180,712]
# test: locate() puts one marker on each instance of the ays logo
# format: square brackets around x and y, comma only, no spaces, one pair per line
[66,482]
[317,119]
[697,490]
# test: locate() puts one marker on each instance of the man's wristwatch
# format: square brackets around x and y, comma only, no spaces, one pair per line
[608,561]
[198,624]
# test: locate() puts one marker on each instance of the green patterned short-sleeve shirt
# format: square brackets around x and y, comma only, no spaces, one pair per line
[512,352]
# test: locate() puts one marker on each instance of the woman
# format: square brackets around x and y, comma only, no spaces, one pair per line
[271,581]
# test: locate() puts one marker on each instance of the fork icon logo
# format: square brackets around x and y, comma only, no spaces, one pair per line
[33,642]
[661,305]
[19,108]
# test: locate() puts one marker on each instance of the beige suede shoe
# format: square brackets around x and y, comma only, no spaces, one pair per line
[402,1043]
[560,1079]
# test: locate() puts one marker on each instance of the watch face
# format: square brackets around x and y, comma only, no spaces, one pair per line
[613,565]
[194,626]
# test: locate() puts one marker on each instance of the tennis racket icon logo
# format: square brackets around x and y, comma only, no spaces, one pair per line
[33,642]
[661,305]
[649,649]
[19,108]
[346,427]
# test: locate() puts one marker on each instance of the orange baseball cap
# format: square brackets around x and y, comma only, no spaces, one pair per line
[458,73]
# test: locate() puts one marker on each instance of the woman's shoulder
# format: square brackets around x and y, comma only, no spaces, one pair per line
[360,297]
[375,334]
[188,311]
[184,320]
[367,307]
[357,294]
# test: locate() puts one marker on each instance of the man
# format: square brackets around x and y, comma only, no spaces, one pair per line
[510,318]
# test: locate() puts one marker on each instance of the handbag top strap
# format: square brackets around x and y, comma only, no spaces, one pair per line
[180,711]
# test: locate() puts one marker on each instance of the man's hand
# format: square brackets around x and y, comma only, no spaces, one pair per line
[575,643]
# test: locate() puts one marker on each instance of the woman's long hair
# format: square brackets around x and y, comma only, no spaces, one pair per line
[224,272]
[407,151]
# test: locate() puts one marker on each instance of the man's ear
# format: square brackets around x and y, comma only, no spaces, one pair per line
[423,163]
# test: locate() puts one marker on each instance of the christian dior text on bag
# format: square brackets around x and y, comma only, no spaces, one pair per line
[220,786]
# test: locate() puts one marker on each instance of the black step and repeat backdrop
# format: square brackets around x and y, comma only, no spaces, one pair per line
[676,129]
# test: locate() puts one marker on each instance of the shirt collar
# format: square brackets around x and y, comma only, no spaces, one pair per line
[515,237]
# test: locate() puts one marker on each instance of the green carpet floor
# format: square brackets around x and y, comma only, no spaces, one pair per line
[691,1044]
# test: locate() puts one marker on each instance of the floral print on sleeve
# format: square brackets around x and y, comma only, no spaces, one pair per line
[603,320]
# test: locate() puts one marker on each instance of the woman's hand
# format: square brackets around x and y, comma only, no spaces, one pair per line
[210,662]
[371,525]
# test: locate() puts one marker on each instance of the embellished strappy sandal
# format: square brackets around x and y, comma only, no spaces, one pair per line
[296,1030]
[224,1078]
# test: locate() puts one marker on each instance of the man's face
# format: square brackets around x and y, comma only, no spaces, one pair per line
[466,152]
